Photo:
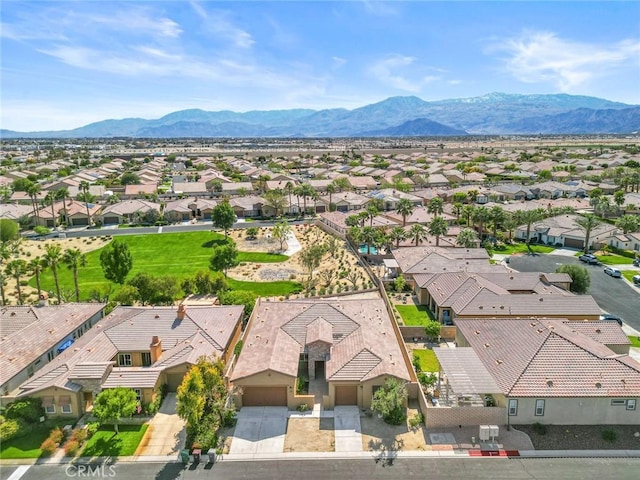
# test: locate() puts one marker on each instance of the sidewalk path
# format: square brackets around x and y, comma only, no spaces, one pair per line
[347,429]
[166,433]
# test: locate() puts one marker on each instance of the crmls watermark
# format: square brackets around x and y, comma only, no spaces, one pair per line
[90,471]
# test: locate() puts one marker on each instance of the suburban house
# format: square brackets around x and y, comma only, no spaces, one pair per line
[32,336]
[127,211]
[625,241]
[76,213]
[249,206]
[346,201]
[562,372]
[138,190]
[135,347]
[345,346]
[563,231]
[186,209]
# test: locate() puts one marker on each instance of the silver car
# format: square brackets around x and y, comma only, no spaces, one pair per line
[613,272]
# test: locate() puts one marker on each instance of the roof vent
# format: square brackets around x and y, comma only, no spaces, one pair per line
[598,330]
[549,383]
[501,307]
[541,299]
[598,385]
[13,314]
[480,307]
[486,345]
[477,332]
[156,316]
[499,362]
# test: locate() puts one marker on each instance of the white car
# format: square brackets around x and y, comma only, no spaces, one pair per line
[614,272]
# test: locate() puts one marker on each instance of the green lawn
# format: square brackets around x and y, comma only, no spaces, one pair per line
[612,259]
[414,315]
[105,443]
[428,360]
[521,248]
[628,274]
[635,341]
[177,254]
[27,446]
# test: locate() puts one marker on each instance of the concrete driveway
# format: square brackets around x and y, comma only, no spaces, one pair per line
[166,434]
[260,430]
[348,430]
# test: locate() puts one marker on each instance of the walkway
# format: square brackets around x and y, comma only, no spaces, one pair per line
[166,434]
[293,245]
[348,429]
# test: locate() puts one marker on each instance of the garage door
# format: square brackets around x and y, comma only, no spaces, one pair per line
[573,243]
[347,395]
[80,221]
[264,397]
[111,220]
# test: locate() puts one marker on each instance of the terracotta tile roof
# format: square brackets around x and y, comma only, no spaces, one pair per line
[89,370]
[132,377]
[549,358]
[607,333]
[319,331]
[412,259]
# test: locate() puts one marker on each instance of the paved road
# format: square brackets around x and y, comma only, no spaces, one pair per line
[435,468]
[612,294]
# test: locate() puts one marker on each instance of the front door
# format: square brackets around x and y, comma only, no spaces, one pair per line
[88,401]
[319,369]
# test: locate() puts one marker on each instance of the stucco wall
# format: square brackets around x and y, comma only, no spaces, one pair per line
[56,393]
[576,411]
[445,417]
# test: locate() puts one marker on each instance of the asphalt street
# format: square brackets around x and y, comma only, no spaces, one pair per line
[612,294]
[354,469]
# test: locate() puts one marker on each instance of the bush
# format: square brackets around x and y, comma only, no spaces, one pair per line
[28,409]
[303,407]
[229,418]
[57,435]
[609,435]
[48,447]
[238,348]
[10,429]
[416,420]
[79,435]
[92,428]
[539,428]
[71,448]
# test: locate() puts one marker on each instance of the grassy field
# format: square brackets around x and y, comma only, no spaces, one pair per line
[178,254]
[428,360]
[628,274]
[414,315]
[521,248]
[106,443]
[26,446]
[635,341]
[612,259]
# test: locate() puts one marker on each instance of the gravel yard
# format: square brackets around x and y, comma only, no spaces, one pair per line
[310,435]
[583,437]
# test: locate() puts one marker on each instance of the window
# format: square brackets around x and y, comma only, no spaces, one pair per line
[513,407]
[539,408]
[50,355]
[146,359]
[50,409]
[124,360]
[138,394]
[30,371]
[66,408]
[631,404]
[618,403]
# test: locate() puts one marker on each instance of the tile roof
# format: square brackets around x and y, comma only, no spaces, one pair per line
[549,358]
[89,370]
[414,259]
[132,377]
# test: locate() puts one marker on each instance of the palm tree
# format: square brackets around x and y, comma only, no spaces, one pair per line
[510,223]
[84,187]
[498,216]
[467,238]
[467,213]
[481,216]
[587,223]
[289,188]
[17,268]
[528,217]
[63,194]
[74,258]
[418,233]
[404,208]
[397,234]
[437,228]
[331,189]
[3,281]
[372,212]
[33,190]
[52,258]
[36,266]
[457,210]
[435,206]
[369,236]
[51,197]
[305,191]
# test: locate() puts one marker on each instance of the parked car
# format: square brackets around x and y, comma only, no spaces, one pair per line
[636,279]
[636,262]
[614,272]
[611,317]
[589,258]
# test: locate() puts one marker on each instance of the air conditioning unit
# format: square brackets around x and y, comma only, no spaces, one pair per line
[494,431]
[485,433]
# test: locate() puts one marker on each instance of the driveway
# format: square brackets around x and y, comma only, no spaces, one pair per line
[613,295]
[348,429]
[166,433]
[260,430]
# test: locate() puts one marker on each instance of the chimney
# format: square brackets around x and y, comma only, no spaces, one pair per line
[181,312]
[43,300]
[155,349]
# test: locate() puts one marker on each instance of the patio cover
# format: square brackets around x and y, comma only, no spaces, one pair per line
[465,371]
[390,263]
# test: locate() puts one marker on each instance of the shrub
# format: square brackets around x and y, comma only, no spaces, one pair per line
[238,348]
[539,428]
[229,418]
[28,409]
[303,407]
[57,435]
[48,447]
[92,428]
[10,429]
[79,435]
[427,379]
[415,361]
[71,448]
[609,435]
[416,420]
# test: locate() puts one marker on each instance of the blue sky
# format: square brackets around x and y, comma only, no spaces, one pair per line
[66,64]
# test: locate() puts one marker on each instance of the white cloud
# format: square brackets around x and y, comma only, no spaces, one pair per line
[543,57]
[219,23]
[338,62]
[401,72]
[379,8]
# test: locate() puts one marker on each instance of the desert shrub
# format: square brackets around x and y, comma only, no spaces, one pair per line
[71,448]
[10,429]
[48,447]
[609,435]
[57,435]
[539,428]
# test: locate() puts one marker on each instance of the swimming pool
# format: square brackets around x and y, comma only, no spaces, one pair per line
[372,251]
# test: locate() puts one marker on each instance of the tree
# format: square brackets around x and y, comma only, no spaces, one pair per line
[418,233]
[628,223]
[399,283]
[467,238]
[497,217]
[84,188]
[432,330]
[223,216]
[481,216]
[9,230]
[36,266]
[587,223]
[404,208]
[618,198]
[206,282]
[331,189]
[50,198]
[239,297]
[162,290]
[342,183]
[116,261]
[289,188]
[33,190]
[467,213]
[252,233]
[113,404]
[276,200]
[397,234]
[74,258]
[372,212]
[435,206]
[580,278]
[369,236]
[224,257]
[16,269]
[280,232]
[127,295]
[437,228]
[528,217]
[389,401]
[305,191]
[52,258]
[311,256]
[129,178]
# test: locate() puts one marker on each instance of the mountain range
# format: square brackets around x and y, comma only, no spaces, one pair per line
[492,114]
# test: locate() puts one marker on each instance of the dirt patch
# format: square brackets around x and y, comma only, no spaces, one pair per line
[310,435]
[379,436]
[583,437]
[225,436]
